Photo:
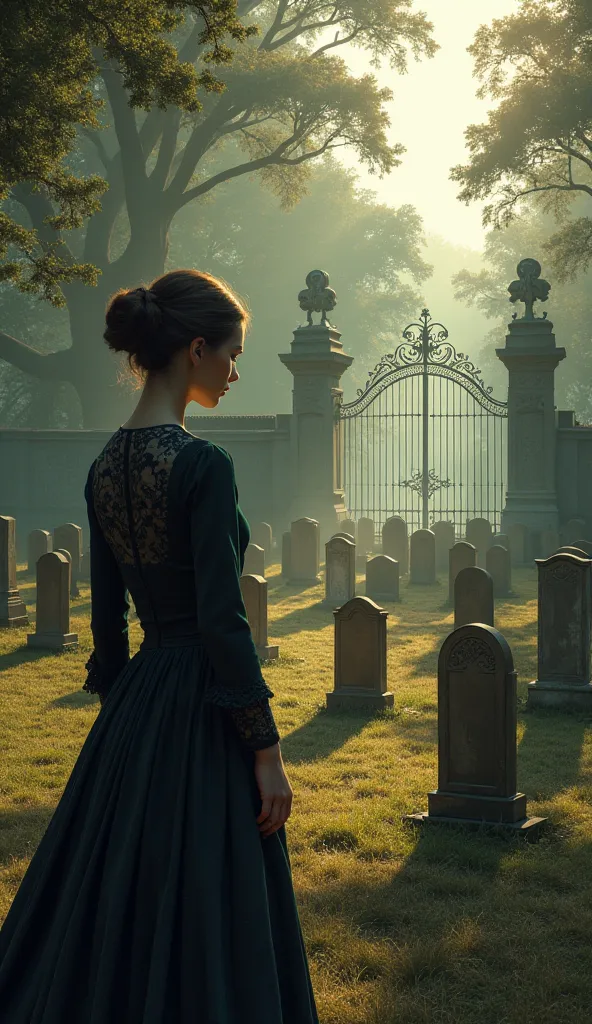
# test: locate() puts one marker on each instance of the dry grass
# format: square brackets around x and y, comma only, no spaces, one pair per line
[444,928]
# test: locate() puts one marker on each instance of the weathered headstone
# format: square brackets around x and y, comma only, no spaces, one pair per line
[305,551]
[517,536]
[573,529]
[38,543]
[261,534]
[584,545]
[477,735]
[74,591]
[473,597]
[254,563]
[498,565]
[480,535]
[564,610]
[461,555]
[549,542]
[254,592]
[12,607]
[395,542]
[340,570]
[360,657]
[382,578]
[52,625]
[69,536]
[286,555]
[502,539]
[365,535]
[570,549]
[444,534]
[348,526]
[422,557]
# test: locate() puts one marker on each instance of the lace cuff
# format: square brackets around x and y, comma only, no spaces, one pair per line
[227,698]
[255,725]
[99,680]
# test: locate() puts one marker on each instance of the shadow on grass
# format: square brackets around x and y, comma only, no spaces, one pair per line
[22,655]
[550,752]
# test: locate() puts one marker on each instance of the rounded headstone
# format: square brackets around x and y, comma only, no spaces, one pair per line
[395,542]
[461,555]
[473,597]
[498,567]
[39,542]
[382,578]
[422,560]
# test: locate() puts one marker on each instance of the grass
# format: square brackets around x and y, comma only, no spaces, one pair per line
[400,926]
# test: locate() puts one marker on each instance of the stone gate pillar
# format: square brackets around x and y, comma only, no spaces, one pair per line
[317,361]
[531,356]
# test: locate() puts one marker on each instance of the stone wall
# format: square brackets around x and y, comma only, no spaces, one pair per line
[574,470]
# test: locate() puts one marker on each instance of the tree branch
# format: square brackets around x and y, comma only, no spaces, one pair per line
[337,42]
[232,172]
[53,366]
[133,160]
[198,143]
[166,151]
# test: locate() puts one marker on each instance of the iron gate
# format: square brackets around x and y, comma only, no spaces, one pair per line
[425,439]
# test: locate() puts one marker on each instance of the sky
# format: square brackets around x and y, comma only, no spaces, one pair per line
[431,107]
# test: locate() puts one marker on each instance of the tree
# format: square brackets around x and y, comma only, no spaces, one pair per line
[287,100]
[538,139]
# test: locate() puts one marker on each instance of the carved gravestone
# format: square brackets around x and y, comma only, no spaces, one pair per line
[395,542]
[422,557]
[365,535]
[382,578]
[444,534]
[564,610]
[13,612]
[360,657]
[549,543]
[473,597]
[74,591]
[497,563]
[261,535]
[517,536]
[52,625]
[69,537]
[480,535]
[460,556]
[305,559]
[254,563]
[340,570]
[254,592]
[477,735]
[570,549]
[38,543]
[348,526]
[286,555]
[85,565]
[573,529]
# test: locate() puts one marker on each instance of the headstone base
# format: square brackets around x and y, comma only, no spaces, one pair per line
[13,611]
[494,809]
[355,697]
[53,641]
[529,828]
[268,653]
[561,696]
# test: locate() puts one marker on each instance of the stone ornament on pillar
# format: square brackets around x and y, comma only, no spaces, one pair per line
[317,296]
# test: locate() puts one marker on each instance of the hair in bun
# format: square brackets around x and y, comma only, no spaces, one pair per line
[152,324]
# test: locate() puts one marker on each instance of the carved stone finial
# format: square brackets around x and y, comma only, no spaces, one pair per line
[530,287]
[317,296]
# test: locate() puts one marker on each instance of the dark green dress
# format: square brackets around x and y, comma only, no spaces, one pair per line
[152,897]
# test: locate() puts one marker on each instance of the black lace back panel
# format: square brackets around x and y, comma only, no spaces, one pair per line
[165,526]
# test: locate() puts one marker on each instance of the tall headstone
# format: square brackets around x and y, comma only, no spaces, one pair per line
[517,536]
[261,534]
[480,535]
[340,570]
[549,542]
[74,591]
[460,556]
[254,563]
[422,560]
[69,536]
[382,578]
[365,535]
[286,555]
[52,625]
[502,539]
[395,542]
[497,562]
[305,551]
[564,610]
[12,607]
[444,534]
[254,592]
[348,526]
[360,657]
[38,543]
[477,735]
[473,597]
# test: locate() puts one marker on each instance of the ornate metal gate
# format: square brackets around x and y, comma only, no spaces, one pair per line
[425,439]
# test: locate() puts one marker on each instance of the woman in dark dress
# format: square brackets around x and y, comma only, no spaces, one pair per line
[161,891]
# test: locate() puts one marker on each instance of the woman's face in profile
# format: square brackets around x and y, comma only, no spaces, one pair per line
[214,370]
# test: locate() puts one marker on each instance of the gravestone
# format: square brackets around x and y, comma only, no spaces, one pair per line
[286,555]
[584,545]
[254,592]
[461,555]
[517,536]
[382,578]
[347,526]
[38,543]
[573,529]
[85,565]
[480,535]
[473,597]
[422,557]
[365,535]
[254,563]
[549,542]
[444,534]
[395,542]
[261,534]
[74,591]
[503,540]
[340,570]
[305,559]
[360,657]
[477,736]
[13,612]
[52,625]
[498,565]
[69,536]
[564,609]
[570,549]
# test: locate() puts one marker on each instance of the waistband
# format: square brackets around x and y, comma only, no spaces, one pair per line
[155,638]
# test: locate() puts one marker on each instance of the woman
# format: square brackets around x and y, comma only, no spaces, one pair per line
[161,892]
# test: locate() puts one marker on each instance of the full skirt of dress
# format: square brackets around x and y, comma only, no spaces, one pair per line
[152,897]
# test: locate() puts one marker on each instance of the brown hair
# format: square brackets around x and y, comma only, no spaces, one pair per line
[152,324]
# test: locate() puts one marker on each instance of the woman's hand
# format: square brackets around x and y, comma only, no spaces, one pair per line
[274,789]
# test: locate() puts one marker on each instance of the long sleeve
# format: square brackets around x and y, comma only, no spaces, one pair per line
[109,608]
[238,684]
